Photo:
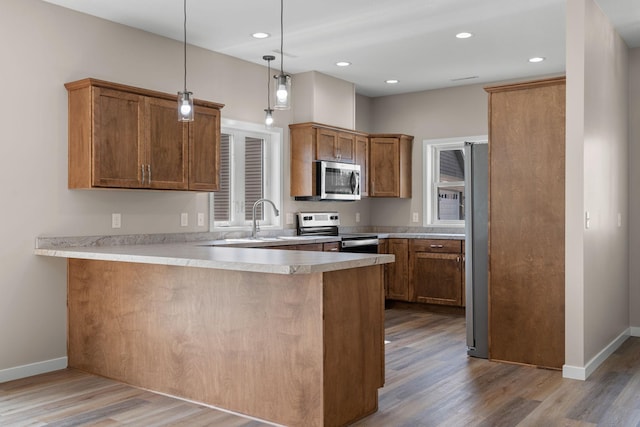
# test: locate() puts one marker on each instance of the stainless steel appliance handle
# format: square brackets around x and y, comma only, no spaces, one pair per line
[358,242]
[353,182]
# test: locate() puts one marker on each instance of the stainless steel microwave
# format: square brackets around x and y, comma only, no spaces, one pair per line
[337,181]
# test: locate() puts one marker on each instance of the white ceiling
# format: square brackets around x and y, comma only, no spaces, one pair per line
[409,40]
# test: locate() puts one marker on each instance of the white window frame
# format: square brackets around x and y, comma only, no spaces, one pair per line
[431,160]
[272,162]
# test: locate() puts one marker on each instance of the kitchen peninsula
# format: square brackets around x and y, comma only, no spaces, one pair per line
[291,337]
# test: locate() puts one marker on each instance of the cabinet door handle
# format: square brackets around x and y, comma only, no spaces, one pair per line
[333,250]
[142,169]
[149,170]
[437,246]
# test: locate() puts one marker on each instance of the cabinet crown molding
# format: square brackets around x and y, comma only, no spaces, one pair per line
[87,82]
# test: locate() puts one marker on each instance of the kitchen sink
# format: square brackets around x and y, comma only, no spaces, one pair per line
[250,240]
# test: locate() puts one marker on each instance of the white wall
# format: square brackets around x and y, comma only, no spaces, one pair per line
[443,113]
[323,99]
[634,185]
[363,113]
[597,290]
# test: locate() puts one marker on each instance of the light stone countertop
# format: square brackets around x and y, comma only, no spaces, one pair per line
[202,255]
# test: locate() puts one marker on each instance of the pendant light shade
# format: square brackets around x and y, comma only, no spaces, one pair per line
[283,92]
[268,118]
[185,106]
[283,81]
[185,98]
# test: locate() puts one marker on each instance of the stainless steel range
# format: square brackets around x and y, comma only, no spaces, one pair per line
[327,224]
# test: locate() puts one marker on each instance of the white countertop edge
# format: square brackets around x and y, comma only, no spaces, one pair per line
[261,260]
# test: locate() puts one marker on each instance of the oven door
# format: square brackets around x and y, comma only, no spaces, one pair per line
[362,246]
[338,181]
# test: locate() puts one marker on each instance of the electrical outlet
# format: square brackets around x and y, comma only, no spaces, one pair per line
[357,216]
[415,217]
[587,220]
[200,219]
[184,219]
[116,220]
[289,218]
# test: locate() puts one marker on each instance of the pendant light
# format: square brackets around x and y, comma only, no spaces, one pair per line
[283,81]
[185,98]
[268,119]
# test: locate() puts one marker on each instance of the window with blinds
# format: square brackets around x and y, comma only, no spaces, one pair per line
[250,159]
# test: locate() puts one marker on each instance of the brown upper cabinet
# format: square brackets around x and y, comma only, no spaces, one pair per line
[390,165]
[125,137]
[362,159]
[385,159]
[314,141]
[334,146]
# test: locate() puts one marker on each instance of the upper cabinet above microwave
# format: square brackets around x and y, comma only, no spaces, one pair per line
[125,137]
[314,141]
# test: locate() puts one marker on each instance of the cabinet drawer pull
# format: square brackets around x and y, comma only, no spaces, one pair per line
[437,246]
[142,168]
[149,170]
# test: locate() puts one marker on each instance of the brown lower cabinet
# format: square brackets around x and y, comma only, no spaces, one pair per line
[436,272]
[397,274]
[426,271]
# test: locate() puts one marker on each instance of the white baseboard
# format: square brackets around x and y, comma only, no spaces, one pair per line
[635,331]
[32,369]
[582,373]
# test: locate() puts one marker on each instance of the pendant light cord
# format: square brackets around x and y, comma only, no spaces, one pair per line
[185,45]
[269,84]
[281,37]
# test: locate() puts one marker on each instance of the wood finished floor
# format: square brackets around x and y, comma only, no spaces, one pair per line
[429,382]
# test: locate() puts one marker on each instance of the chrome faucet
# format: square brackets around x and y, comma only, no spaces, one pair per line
[254,227]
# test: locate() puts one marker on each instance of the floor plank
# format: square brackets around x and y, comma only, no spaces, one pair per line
[430,381]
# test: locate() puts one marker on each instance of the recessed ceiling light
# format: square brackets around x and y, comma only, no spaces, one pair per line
[536,59]
[260,35]
[464,35]
[343,63]
[392,81]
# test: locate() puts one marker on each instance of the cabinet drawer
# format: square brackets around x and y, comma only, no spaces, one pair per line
[437,245]
[331,247]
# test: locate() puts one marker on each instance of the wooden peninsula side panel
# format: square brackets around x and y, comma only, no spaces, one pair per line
[299,350]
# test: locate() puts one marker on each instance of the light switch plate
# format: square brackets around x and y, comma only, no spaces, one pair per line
[184,219]
[200,219]
[357,216]
[415,218]
[116,220]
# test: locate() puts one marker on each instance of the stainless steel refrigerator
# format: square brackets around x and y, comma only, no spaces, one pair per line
[476,205]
